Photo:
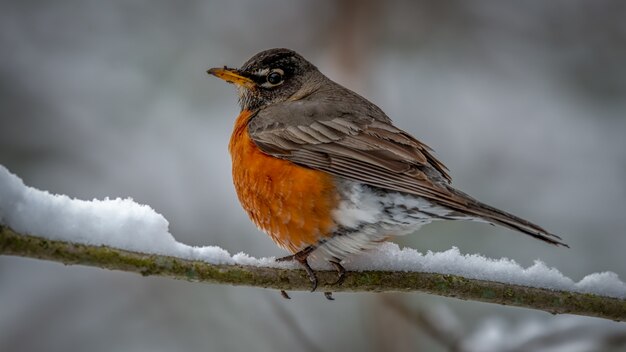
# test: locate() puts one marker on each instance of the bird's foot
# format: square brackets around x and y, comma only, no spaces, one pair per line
[301,257]
[341,272]
[341,276]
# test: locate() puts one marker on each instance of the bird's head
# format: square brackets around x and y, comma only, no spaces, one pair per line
[271,76]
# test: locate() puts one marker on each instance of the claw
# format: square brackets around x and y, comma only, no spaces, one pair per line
[341,276]
[341,272]
[309,272]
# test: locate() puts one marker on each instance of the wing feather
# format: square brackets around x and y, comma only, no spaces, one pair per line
[358,147]
[362,145]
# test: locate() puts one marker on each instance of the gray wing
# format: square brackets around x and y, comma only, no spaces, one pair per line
[359,143]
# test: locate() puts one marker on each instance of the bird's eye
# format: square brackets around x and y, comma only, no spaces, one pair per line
[274,78]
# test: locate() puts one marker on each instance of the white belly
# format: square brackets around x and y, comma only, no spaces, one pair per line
[367,215]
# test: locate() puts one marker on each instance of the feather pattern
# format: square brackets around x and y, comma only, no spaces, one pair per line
[356,141]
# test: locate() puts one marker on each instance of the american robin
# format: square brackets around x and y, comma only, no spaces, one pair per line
[324,172]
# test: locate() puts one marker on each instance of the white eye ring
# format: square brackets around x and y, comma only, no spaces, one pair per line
[277,74]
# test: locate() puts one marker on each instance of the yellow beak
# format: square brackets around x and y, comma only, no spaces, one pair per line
[231,76]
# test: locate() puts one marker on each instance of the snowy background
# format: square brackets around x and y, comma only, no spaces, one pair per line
[524,102]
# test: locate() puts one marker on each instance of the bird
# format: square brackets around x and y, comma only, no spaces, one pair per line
[325,172]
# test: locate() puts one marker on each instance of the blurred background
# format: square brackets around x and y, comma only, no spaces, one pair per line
[524,102]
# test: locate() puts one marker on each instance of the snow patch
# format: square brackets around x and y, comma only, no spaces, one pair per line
[119,223]
[389,256]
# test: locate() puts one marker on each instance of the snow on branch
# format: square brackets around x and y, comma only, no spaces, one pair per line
[120,234]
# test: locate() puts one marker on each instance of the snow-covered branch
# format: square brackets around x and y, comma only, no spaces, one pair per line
[120,234]
[12,243]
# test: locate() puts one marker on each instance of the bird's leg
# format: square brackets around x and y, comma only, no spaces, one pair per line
[303,254]
[301,257]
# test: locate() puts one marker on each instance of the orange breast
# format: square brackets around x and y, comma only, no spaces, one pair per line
[290,203]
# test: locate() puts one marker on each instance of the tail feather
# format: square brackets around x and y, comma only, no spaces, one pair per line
[493,215]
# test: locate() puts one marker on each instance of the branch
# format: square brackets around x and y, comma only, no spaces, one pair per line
[556,302]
